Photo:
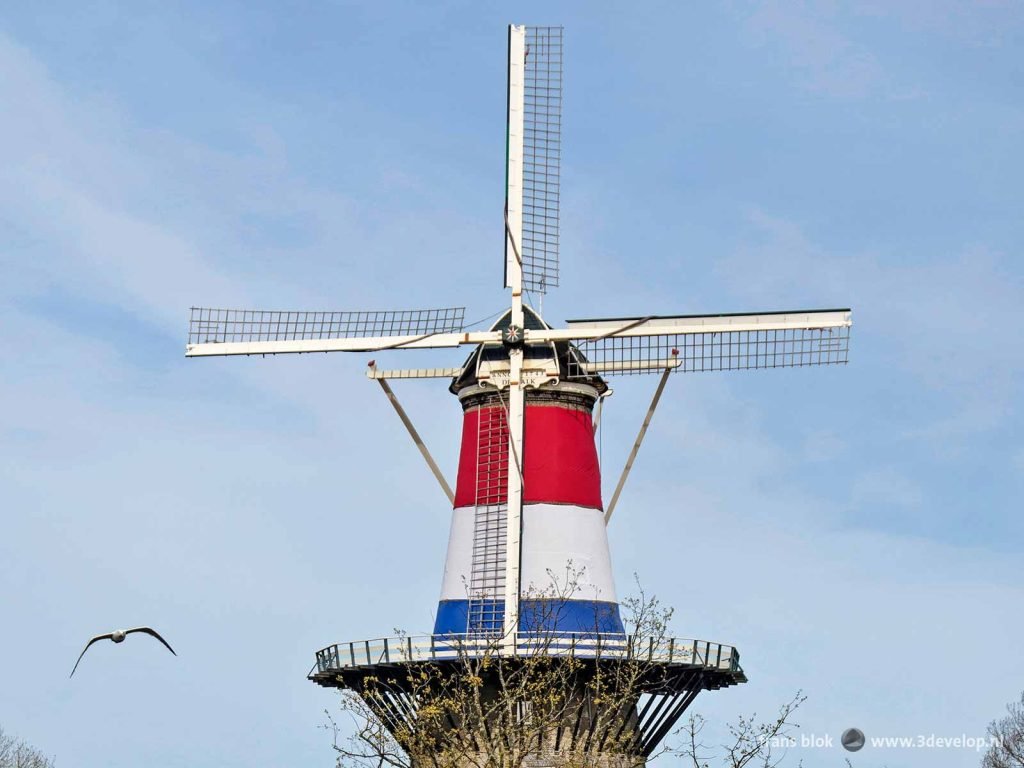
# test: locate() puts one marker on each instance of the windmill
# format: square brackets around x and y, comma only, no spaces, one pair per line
[527,499]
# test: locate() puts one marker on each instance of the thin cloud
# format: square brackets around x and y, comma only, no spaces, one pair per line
[886,487]
[823,59]
[942,322]
[826,61]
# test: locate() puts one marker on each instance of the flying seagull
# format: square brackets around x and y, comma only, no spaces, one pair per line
[118,636]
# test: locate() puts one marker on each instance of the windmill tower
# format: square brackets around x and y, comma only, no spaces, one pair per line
[527,499]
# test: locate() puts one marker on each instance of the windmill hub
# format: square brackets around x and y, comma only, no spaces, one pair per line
[513,336]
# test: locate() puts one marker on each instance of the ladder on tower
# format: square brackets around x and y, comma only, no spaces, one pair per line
[487,574]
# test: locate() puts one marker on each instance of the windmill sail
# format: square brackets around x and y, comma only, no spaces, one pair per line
[542,157]
[270,332]
[534,154]
[693,343]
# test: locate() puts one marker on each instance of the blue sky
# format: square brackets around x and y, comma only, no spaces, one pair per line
[855,531]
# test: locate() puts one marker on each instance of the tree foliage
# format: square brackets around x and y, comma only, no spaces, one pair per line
[545,706]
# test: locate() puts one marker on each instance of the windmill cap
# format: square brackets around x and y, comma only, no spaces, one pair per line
[562,351]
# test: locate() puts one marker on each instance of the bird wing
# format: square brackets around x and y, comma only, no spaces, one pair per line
[154,633]
[98,637]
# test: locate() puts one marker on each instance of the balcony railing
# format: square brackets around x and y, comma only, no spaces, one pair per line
[426,648]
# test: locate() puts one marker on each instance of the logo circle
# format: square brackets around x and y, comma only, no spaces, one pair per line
[853,739]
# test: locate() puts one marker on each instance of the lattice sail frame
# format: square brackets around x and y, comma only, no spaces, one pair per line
[490,520]
[227,326]
[695,343]
[542,157]
[715,351]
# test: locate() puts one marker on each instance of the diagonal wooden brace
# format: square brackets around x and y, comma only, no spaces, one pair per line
[417,439]
[639,439]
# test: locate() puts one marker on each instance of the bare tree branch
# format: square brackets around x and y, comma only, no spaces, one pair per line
[1007,749]
[15,753]
[751,743]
